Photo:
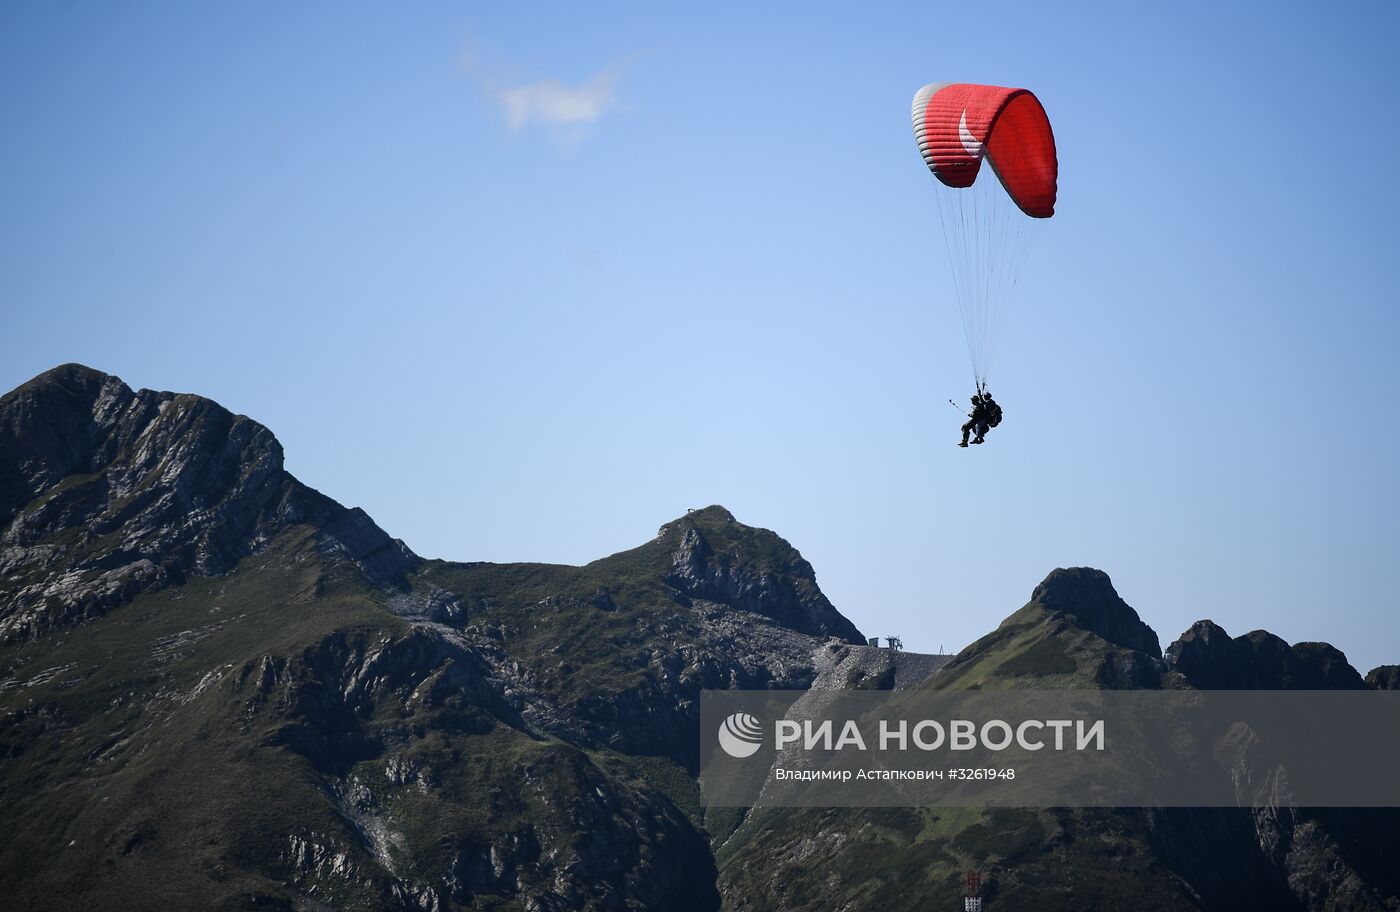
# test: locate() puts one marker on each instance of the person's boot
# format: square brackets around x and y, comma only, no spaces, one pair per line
[978,440]
[963,442]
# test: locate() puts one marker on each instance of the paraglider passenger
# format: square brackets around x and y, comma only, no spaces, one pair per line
[992,418]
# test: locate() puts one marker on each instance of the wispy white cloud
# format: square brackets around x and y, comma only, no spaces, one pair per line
[554,104]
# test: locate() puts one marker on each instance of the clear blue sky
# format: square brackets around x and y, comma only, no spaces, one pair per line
[525,286]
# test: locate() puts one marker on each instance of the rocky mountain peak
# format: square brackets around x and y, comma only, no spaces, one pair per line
[106,491]
[1210,659]
[1086,598]
[715,557]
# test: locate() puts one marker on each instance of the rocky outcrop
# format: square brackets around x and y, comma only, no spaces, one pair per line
[1384,677]
[106,492]
[714,557]
[1086,596]
[1284,858]
[1207,658]
[378,768]
[1322,666]
[1075,630]
[392,706]
[660,714]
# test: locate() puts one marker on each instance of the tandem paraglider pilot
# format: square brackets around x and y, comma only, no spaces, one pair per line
[985,414]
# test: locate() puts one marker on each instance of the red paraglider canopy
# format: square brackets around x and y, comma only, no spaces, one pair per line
[957,124]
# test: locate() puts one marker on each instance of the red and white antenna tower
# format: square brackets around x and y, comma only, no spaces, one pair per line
[972,902]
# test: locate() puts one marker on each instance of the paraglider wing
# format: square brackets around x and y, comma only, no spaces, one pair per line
[958,124]
[987,233]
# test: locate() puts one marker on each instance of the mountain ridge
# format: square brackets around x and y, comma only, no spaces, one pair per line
[195,642]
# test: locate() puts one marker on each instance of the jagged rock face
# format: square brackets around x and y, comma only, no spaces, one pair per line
[1384,677]
[660,714]
[1322,666]
[1087,596]
[645,650]
[402,727]
[1131,670]
[1304,859]
[105,492]
[716,558]
[1209,659]
[1205,656]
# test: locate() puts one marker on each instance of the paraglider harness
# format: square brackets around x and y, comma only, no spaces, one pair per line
[993,412]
